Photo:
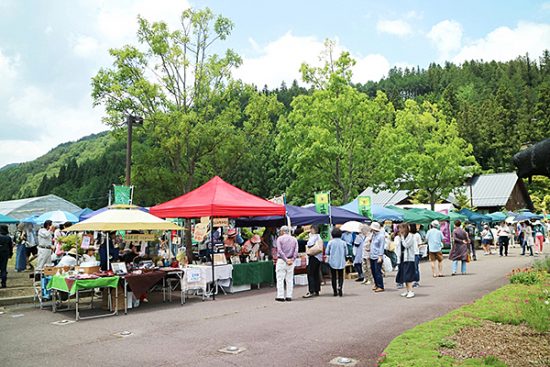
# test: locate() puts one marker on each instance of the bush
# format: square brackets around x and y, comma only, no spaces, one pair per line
[493,361]
[446,343]
[530,277]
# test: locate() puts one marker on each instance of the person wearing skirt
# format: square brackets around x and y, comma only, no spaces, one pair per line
[405,245]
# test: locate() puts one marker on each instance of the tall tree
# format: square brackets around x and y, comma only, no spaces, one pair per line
[422,151]
[327,135]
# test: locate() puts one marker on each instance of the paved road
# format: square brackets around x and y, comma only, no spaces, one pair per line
[300,333]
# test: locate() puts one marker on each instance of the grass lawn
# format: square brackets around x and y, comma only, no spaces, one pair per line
[512,304]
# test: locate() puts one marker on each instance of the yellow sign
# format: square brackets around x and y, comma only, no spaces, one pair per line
[364,200]
[200,231]
[221,222]
[140,237]
[205,220]
[321,198]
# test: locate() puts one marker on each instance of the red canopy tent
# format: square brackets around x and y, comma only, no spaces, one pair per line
[217,198]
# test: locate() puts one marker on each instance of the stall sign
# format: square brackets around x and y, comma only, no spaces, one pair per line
[365,208]
[140,237]
[200,232]
[193,275]
[322,206]
[86,242]
[221,222]
[123,194]
[205,220]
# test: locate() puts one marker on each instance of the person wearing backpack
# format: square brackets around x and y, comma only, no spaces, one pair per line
[6,252]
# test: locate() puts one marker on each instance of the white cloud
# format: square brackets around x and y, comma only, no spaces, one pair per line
[397,27]
[545,6]
[85,46]
[280,60]
[8,72]
[446,37]
[505,43]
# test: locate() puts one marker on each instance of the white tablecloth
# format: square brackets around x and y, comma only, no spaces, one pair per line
[222,273]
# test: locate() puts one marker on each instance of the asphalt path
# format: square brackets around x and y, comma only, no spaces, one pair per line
[304,332]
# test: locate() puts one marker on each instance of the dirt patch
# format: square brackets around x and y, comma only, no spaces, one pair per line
[515,345]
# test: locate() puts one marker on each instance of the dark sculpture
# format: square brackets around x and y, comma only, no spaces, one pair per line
[534,160]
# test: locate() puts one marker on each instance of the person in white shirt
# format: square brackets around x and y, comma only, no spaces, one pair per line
[417,243]
[486,240]
[69,259]
[503,234]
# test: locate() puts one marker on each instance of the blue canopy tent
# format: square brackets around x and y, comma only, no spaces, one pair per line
[527,216]
[81,213]
[4,219]
[475,217]
[341,216]
[96,212]
[298,217]
[497,216]
[379,213]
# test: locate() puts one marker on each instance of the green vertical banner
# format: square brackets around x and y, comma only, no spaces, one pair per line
[365,208]
[322,206]
[123,194]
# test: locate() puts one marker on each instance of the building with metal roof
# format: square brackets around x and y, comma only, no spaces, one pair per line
[23,208]
[489,192]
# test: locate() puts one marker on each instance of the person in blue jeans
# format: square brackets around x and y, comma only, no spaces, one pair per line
[377,256]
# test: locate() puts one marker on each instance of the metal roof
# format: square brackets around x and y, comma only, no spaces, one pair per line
[490,190]
[23,208]
[385,197]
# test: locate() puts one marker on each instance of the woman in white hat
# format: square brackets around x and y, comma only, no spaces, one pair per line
[486,240]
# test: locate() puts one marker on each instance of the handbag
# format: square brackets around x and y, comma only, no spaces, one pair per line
[469,258]
[315,249]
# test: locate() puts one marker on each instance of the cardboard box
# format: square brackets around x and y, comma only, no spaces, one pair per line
[238,288]
[87,269]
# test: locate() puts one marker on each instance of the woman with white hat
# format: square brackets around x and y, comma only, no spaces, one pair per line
[538,230]
[486,240]
[504,234]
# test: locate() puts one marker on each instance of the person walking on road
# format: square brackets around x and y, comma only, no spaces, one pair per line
[503,234]
[337,250]
[366,233]
[314,250]
[486,240]
[529,237]
[358,245]
[287,251]
[6,252]
[459,251]
[377,256]
[434,237]
[405,244]
[417,243]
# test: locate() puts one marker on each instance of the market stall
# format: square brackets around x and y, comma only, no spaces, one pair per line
[217,199]
[295,215]
[129,218]
[379,213]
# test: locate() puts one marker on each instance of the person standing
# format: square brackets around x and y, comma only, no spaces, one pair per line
[358,245]
[486,240]
[314,250]
[377,256]
[434,237]
[6,252]
[337,250]
[405,244]
[471,230]
[417,243]
[45,245]
[503,234]
[287,250]
[529,237]
[459,251]
[366,233]
[21,248]
[538,230]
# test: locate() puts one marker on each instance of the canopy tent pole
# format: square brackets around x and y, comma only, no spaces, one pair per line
[212,257]
[108,255]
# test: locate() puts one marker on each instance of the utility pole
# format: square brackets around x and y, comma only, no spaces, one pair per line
[130,121]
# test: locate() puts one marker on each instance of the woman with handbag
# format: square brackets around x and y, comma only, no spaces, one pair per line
[314,250]
[405,245]
[459,251]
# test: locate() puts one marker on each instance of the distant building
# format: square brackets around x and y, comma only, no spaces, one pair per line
[488,193]
[23,208]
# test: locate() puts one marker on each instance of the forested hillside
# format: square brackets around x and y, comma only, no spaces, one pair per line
[498,108]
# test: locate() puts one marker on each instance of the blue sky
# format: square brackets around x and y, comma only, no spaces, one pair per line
[49,50]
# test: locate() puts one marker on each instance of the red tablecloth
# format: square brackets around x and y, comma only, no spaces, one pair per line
[141,283]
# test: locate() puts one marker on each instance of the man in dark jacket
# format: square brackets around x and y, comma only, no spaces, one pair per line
[6,252]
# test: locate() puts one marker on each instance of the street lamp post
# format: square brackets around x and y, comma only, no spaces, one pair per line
[130,121]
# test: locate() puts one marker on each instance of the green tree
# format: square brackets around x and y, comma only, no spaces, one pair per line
[327,135]
[186,96]
[422,151]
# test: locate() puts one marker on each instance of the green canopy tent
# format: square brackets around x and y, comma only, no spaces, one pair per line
[497,216]
[430,214]
[410,216]
[454,216]
[4,219]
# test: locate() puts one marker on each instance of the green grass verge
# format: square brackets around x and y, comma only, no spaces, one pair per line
[419,345]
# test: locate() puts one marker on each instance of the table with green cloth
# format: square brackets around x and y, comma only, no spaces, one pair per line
[253,273]
[72,286]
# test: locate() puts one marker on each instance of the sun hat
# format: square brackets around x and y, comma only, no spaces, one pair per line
[435,223]
[256,239]
[72,251]
[232,232]
[375,226]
